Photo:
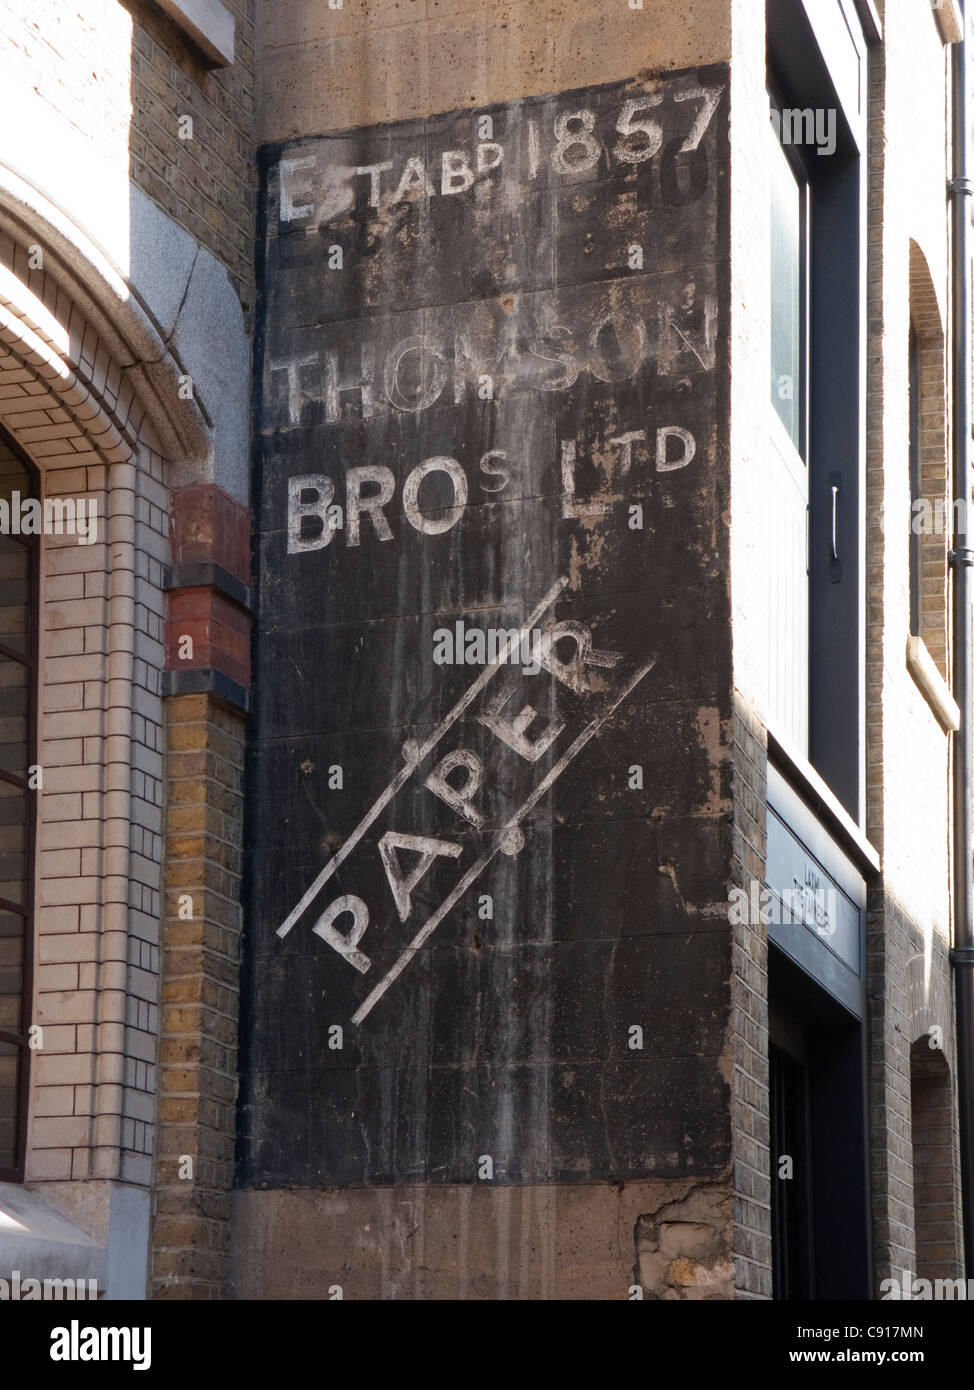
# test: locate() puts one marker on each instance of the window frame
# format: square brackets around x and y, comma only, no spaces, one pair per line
[916,482]
[803,177]
[817,54]
[30,659]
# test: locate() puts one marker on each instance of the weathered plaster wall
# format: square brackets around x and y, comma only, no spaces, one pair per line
[322,69]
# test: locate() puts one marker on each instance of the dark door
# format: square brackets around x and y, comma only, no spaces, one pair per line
[791,1193]
[820,1199]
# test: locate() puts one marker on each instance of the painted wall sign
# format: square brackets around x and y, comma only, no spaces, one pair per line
[810,896]
[493,384]
[819,897]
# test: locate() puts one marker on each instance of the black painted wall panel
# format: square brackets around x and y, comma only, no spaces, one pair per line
[489,310]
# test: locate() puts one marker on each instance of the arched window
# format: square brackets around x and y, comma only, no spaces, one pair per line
[19,566]
[934,1178]
[931,509]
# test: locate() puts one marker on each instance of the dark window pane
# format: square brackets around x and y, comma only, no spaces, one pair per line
[11,971]
[18,634]
[11,982]
[11,924]
[13,843]
[9,1073]
[14,696]
[14,593]
[14,477]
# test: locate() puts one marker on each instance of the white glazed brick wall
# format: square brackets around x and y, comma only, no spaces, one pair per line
[69,1136]
[100,741]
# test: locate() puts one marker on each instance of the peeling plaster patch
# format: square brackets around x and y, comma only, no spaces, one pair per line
[714,740]
[682,1250]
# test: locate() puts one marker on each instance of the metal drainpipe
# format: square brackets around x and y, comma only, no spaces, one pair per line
[962,560]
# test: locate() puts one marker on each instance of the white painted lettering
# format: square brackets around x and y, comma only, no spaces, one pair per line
[570,509]
[663,436]
[356,503]
[428,384]
[489,156]
[457,175]
[374,173]
[426,847]
[345,943]
[335,387]
[322,491]
[513,731]
[572,673]
[413,179]
[295,188]
[459,799]
[430,526]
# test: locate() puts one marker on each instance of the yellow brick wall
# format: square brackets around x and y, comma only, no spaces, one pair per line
[206,183]
[198,1032]
[121,76]
[909,788]
[908,767]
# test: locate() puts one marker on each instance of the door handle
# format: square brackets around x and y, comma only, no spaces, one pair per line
[835,569]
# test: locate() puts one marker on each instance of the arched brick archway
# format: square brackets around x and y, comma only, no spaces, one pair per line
[69,403]
[137,1067]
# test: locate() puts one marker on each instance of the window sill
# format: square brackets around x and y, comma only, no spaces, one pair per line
[822,802]
[932,685]
[949,20]
[208,24]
